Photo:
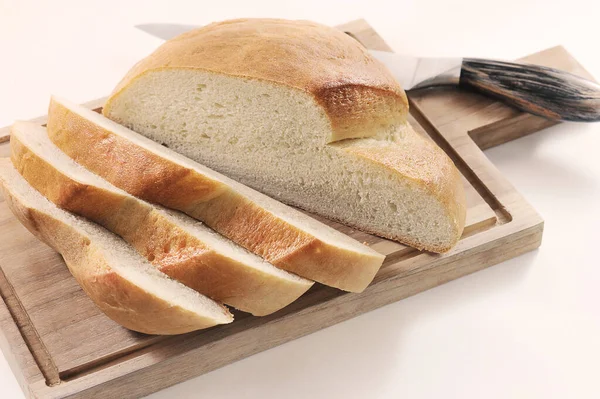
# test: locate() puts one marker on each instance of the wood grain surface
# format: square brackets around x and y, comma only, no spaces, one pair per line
[59,344]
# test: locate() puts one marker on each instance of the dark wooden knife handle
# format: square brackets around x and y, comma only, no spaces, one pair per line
[547,92]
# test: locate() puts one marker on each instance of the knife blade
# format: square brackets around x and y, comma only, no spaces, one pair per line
[546,92]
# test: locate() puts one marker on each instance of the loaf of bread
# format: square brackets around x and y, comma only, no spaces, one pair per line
[125,286]
[302,113]
[283,236]
[178,245]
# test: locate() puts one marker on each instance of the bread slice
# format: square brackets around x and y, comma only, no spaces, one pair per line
[125,286]
[283,236]
[302,113]
[179,246]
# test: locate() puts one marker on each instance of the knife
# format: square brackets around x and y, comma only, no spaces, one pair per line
[546,92]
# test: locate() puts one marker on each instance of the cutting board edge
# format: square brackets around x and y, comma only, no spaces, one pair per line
[127,376]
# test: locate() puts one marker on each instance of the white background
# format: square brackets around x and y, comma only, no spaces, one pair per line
[528,328]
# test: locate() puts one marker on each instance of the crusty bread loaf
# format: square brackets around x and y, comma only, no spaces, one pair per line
[125,286]
[179,246]
[283,236]
[303,113]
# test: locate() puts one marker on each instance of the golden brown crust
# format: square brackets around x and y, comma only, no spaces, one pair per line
[428,168]
[229,213]
[172,187]
[128,304]
[174,251]
[92,202]
[339,267]
[289,248]
[118,298]
[359,95]
[186,259]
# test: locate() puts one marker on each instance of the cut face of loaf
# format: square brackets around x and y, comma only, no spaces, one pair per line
[179,246]
[310,119]
[282,235]
[125,286]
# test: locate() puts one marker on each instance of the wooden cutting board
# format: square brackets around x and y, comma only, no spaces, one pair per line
[59,344]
